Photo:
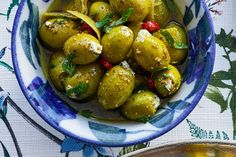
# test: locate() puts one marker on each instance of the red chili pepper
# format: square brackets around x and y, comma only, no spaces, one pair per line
[105,64]
[151,26]
[150,83]
[86,27]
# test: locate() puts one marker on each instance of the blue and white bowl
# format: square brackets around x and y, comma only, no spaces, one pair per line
[56,112]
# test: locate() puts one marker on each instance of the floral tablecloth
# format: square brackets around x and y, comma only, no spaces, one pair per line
[24,133]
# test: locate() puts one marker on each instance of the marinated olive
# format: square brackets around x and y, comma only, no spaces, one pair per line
[128,44]
[84,83]
[167,81]
[141,8]
[56,72]
[159,12]
[141,105]
[55,32]
[116,87]
[150,52]
[84,47]
[99,10]
[177,56]
[117,43]
[64,5]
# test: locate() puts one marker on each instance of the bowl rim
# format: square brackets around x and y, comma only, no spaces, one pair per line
[182,143]
[100,143]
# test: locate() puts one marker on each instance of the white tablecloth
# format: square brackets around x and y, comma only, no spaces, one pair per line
[205,122]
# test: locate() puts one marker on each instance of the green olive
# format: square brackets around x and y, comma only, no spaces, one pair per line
[99,10]
[86,77]
[117,43]
[55,32]
[81,6]
[64,5]
[159,12]
[84,47]
[56,72]
[150,52]
[177,56]
[141,105]
[141,8]
[116,87]
[167,81]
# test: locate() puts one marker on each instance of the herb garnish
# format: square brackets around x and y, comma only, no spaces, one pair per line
[171,42]
[67,66]
[157,71]
[87,114]
[144,119]
[107,19]
[180,45]
[80,89]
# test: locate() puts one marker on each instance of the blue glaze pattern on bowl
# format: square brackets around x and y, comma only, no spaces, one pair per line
[42,97]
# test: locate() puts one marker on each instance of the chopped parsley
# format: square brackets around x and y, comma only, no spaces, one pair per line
[67,65]
[171,42]
[105,22]
[78,90]
[157,71]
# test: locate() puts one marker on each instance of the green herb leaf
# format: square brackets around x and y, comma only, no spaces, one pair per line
[80,89]
[168,37]
[157,71]
[87,114]
[125,17]
[67,66]
[180,45]
[105,21]
[171,42]
[144,119]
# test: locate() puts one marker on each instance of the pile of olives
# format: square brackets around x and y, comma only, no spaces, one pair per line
[143,63]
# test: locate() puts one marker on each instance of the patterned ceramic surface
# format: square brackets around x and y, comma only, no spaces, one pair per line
[35,86]
[188,149]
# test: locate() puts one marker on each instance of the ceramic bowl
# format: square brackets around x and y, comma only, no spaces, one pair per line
[188,149]
[54,109]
